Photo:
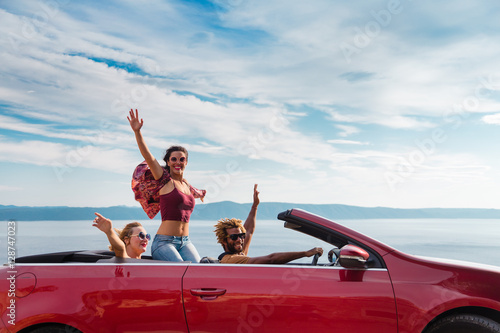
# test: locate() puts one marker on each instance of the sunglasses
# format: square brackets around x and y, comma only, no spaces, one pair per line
[235,237]
[142,235]
[174,159]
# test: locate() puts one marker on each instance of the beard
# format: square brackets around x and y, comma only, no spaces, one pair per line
[234,248]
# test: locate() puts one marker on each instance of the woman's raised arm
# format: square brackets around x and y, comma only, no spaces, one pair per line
[136,126]
[106,226]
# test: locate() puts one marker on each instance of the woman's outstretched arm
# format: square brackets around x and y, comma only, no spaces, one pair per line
[136,126]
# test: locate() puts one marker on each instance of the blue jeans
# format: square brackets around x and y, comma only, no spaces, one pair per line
[174,248]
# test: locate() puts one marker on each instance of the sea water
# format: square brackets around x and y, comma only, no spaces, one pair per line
[475,240]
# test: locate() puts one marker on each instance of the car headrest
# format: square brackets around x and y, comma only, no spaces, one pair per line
[209,260]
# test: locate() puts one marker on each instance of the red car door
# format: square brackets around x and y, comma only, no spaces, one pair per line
[288,298]
[102,297]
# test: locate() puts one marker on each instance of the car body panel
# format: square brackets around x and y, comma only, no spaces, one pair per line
[104,297]
[426,288]
[289,298]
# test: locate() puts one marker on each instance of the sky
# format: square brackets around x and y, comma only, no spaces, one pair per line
[378,103]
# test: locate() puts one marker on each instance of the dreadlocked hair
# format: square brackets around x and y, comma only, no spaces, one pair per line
[223,224]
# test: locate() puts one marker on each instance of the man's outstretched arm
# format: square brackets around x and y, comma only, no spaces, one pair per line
[284,257]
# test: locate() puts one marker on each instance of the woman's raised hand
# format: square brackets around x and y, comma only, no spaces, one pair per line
[102,223]
[134,120]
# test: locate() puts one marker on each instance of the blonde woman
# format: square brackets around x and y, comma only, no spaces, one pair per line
[130,242]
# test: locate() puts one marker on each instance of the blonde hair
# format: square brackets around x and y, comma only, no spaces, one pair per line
[125,232]
[223,224]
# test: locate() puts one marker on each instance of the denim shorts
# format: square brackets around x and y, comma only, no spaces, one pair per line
[174,248]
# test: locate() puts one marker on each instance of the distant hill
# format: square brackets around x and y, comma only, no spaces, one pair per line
[267,211]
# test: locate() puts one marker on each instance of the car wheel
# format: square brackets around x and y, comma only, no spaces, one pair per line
[464,323]
[55,329]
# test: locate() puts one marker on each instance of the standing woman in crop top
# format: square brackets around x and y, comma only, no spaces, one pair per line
[176,200]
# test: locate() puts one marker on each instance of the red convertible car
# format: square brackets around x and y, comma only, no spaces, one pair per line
[367,287]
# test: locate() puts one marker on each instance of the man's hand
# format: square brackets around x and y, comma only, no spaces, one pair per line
[256,199]
[313,251]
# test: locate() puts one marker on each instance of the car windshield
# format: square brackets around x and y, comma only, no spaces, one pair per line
[270,236]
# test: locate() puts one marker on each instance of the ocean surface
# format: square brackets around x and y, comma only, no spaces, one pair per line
[475,240]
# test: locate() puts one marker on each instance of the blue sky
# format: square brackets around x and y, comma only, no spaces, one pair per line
[383,103]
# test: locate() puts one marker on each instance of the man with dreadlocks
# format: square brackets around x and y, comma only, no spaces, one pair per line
[235,238]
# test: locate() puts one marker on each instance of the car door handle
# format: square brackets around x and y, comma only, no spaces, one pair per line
[208,293]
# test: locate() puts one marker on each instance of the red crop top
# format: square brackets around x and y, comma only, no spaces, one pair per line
[146,190]
[176,206]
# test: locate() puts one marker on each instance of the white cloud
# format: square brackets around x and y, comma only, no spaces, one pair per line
[347,130]
[411,78]
[4,188]
[62,157]
[493,119]
[291,72]
[347,142]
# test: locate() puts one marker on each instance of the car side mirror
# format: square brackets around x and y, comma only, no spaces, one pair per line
[352,256]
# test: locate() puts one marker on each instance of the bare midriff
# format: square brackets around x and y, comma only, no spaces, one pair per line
[173,228]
